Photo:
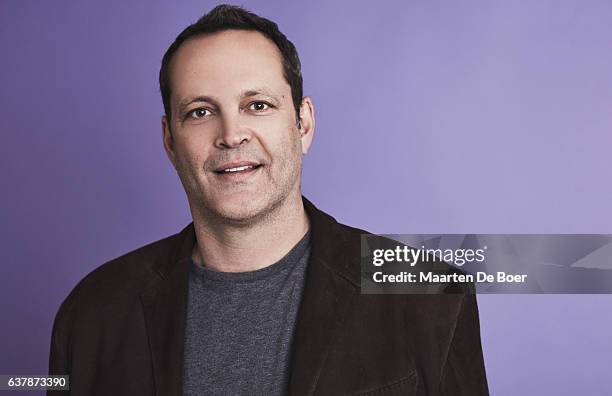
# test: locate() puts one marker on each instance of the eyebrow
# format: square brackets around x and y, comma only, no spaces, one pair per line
[244,94]
[199,98]
[258,91]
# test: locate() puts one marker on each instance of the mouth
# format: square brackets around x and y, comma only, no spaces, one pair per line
[241,168]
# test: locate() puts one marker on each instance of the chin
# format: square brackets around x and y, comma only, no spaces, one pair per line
[239,209]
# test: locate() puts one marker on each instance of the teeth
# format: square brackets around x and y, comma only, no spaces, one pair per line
[238,169]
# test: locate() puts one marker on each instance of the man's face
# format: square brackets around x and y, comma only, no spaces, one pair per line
[233,137]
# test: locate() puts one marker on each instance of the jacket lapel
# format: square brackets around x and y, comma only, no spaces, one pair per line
[329,288]
[165,307]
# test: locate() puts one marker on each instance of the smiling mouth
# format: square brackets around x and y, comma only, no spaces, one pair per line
[237,169]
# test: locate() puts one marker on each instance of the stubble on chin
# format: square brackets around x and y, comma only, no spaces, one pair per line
[260,206]
[244,211]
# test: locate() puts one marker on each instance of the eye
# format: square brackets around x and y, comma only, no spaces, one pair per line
[199,113]
[259,106]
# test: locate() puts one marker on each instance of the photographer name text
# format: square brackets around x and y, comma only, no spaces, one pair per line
[430,277]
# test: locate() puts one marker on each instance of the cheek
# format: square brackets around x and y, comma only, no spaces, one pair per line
[286,141]
[194,144]
[191,155]
[288,153]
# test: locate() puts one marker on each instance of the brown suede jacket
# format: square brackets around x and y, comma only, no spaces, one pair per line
[121,329]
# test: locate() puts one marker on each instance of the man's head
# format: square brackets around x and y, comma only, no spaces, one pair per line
[232,90]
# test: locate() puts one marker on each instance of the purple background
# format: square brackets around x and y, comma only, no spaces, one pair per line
[432,117]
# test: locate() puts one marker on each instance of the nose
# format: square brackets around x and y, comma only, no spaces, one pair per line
[232,133]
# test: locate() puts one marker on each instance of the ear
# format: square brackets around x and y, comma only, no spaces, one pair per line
[307,123]
[168,140]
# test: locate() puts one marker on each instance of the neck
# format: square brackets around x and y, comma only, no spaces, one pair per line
[228,247]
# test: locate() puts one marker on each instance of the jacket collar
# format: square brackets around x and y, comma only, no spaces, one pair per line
[330,284]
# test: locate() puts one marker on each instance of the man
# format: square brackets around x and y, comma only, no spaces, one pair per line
[261,293]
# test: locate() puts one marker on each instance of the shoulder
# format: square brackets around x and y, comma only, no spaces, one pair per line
[120,278]
[131,269]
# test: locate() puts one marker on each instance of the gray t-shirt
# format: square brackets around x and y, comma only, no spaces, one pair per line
[240,327]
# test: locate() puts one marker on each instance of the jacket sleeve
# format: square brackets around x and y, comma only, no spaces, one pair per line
[464,372]
[59,356]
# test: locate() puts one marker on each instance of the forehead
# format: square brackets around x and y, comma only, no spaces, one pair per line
[225,63]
